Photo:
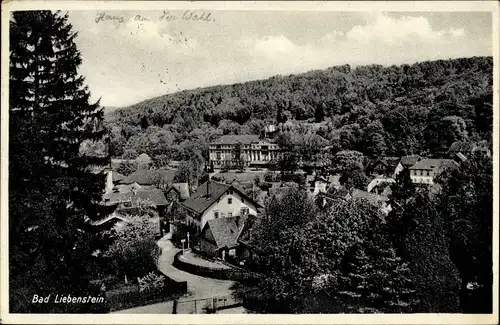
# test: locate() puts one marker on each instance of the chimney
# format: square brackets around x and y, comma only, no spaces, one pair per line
[208,188]
[237,221]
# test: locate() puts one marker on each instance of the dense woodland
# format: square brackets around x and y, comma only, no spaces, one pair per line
[394,111]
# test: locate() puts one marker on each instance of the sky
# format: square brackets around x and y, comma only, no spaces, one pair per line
[127,58]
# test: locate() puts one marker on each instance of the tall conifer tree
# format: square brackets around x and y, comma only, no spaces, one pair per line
[52,192]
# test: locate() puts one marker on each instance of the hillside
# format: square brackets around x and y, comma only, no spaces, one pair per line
[374,109]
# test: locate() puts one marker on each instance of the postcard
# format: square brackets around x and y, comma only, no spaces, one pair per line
[249,162]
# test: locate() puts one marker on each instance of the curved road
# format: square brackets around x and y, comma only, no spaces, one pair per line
[198,287]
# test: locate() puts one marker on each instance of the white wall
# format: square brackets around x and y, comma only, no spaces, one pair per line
[109,181]
[398,169]
[420,176]
[224,208]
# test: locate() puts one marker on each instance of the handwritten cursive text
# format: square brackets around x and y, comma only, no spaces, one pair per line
[102,16]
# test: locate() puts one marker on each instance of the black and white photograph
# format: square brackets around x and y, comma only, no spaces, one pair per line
[215,158]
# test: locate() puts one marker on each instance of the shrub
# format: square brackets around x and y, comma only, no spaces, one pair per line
[151,282]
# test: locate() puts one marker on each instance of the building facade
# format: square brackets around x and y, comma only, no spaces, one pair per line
[425,171]
[234,151]
[214,200]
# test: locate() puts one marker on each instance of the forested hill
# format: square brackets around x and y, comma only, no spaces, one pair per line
[375,109]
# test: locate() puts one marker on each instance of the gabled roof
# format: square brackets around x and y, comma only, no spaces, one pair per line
[226,230]
[201,200]
[433,164]
[156,197]
[235,138]
[149,176]
[408,161]
[390,163]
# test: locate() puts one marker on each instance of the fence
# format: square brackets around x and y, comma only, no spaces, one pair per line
[222,274]
[208,305]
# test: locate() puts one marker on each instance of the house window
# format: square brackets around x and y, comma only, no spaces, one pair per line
[244,211]
[216,214]
[230,200]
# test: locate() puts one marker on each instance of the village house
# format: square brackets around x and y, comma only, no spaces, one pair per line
[232,150]
[425,170]
[132,199]
[138,198]
[384,166]
[405,163]
[213,200]
[389,167]
[219,237]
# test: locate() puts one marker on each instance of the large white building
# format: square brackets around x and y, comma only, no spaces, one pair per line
[249,149]
[425,170]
